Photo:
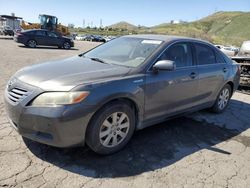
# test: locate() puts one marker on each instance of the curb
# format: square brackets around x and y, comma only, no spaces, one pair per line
[6,38]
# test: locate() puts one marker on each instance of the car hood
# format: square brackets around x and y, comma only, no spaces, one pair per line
[63,75]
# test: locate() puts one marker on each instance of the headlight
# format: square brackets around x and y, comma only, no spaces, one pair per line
[59,98]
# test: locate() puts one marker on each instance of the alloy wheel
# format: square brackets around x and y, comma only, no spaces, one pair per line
[114,129]
[223,98]
[66,45]
[32,43]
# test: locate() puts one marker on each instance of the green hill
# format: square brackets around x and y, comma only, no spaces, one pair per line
[228,28]
[221,27]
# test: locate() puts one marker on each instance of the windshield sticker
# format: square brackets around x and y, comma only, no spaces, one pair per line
[151,42]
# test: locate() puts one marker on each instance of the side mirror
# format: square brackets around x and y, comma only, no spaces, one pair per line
[164,65]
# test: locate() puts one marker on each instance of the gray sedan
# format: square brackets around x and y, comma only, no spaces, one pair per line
[102,96]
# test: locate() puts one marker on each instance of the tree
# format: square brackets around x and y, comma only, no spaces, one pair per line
[70,25]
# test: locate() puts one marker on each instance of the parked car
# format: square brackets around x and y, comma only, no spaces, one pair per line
[32,38]
[98,38]
[6,30]
[80,37]
[102,96]
[108,38]
[94,38]
[73,36]
[228,50]
[243,58]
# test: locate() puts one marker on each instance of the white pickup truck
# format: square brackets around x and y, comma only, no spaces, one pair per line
[243,58]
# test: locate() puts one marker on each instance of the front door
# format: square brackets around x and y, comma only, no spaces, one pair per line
[169,92]
[53,39]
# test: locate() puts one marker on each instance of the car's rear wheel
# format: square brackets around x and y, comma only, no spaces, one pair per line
[223,99]
[31,43]
[111,128]
[66,45]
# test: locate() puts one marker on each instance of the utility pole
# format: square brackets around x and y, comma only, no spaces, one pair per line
[100,23]
[83,23]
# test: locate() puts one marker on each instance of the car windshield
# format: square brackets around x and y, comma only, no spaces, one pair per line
[124,51]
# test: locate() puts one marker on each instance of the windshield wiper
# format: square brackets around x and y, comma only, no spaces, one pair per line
[98,59]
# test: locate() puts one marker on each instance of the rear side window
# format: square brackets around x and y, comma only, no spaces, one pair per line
[29,32]
[180,53]
[40,33]
[204,54]
[219,58]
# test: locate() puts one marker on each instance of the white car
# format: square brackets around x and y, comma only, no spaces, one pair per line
[228,50]
[109,38]
[80,37]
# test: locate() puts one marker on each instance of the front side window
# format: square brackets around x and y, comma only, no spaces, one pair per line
[180,53]
[204,54]
[51,34]
[125,51]
[40,33]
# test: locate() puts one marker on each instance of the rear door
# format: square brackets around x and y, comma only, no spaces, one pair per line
[40,37]
[213,71]
[169,92]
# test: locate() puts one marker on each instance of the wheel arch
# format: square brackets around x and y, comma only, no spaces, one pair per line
[231,84]
[123,99]
[27,42]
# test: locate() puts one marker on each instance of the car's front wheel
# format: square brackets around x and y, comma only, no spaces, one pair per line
[223,99]
[66,45]
[31,43]
[111,128]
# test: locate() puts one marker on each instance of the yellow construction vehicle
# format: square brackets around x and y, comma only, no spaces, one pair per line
[47,22]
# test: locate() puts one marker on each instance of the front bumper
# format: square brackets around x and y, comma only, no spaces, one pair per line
[61,126]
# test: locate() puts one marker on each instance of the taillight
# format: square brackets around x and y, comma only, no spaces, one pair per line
[19,34]
[238,71]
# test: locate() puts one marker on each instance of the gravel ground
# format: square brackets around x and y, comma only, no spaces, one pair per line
[199,150]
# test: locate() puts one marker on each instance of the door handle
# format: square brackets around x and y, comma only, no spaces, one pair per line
[224,69]
[193,75]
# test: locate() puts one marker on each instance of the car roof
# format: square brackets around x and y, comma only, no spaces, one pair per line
[165,38]
[28,30]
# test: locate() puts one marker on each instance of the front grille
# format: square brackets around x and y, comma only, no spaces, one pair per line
[17,94]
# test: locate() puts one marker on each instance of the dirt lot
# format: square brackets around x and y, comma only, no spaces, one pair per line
[200,150]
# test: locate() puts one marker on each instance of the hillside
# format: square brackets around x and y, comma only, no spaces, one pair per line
[228,28]
[221,27]
[123,25]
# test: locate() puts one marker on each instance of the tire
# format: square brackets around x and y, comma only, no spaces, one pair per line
[222,100]
[31,43]
[105,136]
[66,45]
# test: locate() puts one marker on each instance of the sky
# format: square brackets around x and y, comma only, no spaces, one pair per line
[137,12]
